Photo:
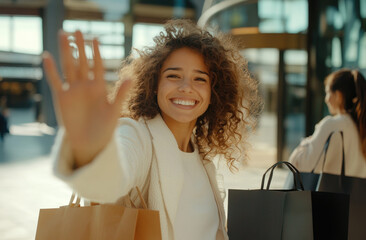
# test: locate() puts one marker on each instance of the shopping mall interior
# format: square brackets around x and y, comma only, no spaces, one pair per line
[290,46]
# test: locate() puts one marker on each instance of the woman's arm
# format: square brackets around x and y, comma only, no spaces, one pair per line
[306,155]
[123,164]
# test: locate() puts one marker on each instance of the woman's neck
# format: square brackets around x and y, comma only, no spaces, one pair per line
[182,133]
[341,111]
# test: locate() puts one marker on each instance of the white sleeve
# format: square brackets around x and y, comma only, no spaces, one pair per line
[123,164]
[306,155]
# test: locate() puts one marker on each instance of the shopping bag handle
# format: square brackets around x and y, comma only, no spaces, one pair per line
[296,174]
[75,197]
[343,170]
[325,150]
[71,202]
[144,205]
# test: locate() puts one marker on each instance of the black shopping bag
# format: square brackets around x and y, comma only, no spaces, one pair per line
[309,179]
[287,214]
[356,188]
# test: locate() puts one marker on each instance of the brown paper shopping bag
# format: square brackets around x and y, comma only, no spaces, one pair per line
[98,222]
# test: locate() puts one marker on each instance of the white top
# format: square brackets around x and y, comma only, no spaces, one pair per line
[310,150]
[197,216]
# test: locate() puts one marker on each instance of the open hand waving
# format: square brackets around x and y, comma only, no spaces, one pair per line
[81,100]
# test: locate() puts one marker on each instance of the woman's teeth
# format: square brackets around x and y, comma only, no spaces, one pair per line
[184,102]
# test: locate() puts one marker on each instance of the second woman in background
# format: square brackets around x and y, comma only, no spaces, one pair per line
[346,100]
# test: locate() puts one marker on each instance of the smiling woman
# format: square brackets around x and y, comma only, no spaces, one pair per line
[184,90]
[185,100]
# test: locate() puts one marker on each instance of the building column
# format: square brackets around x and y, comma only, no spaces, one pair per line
[52,16]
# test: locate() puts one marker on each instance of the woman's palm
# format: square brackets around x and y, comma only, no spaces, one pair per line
[81,101]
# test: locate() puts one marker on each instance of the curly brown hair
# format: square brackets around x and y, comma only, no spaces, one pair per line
[235,104]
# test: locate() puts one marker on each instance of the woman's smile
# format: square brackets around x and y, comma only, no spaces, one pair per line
[184,102]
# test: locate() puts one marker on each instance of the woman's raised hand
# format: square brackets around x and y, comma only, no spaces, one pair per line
[81,100]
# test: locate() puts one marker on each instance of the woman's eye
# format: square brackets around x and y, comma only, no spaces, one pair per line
[201,80]
[172,76]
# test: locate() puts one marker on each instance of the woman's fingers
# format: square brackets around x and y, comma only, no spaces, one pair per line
[68,62]
[51,72]
[98,68]
[83,68]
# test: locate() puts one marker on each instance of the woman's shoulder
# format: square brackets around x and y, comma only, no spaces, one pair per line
[337,122]
[336,119]
[129,126]
[130,121]
[343,120]
[325,122]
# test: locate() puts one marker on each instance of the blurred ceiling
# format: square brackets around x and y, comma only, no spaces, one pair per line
[154,11]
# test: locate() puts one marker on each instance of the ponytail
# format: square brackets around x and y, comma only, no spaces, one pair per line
[360,107]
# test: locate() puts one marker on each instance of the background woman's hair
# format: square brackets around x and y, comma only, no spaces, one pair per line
[352,85]
[235,104]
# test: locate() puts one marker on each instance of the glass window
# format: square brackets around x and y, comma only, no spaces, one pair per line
[273,16]
[295,96]
[336,53]
[362,52]
[263,64]
[271,26]
[27,35]
[296,16]
[270,9]
[21,34]
[109,34]
[73,25]
[352,48]
[143,34]
[111,39]
[363,8]
[5,33]
[112,52]
[283,16]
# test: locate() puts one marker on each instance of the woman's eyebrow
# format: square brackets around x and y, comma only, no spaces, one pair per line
[178,68]
[203,72]
[172,68]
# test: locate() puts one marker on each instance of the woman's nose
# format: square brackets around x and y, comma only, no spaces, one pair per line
[185,85]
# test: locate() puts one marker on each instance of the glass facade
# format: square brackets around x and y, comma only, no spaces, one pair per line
[338,40]
[282,73]
[13,31]
[295,99]
[272,16]
[20,48]
[109,34]
[144,33]
[292,79]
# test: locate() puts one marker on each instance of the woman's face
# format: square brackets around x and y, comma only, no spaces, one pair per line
[184,87]
[333,101]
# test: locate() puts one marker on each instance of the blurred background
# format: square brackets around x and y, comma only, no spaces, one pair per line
[290,45]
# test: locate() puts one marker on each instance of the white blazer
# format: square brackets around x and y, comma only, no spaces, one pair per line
[125,163]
